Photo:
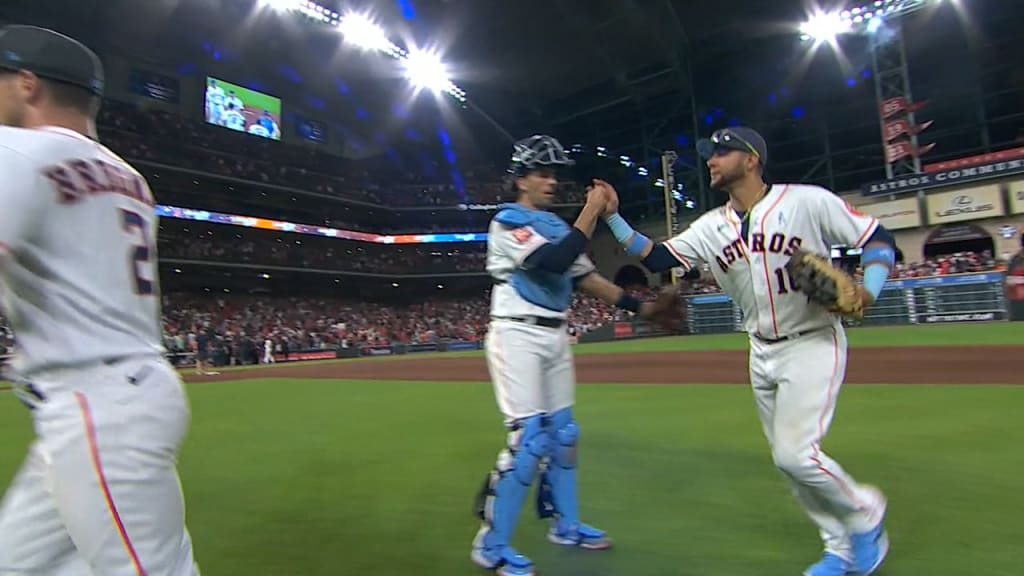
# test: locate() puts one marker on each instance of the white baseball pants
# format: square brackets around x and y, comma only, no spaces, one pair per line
[796,384]
[98,493]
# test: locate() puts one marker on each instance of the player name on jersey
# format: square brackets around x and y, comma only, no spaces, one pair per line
[79,179]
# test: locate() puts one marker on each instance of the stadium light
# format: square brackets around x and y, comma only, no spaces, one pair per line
[824,27]
[281,5]
[359,30]
[425,69]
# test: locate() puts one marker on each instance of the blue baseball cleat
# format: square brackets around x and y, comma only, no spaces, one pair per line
[830,565]
[869,549]
[579,535]
[506,561]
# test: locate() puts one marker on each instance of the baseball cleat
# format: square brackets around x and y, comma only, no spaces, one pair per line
[869,549]
[830,565]
[579,535]
[505,561]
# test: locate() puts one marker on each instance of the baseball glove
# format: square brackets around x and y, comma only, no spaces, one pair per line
[826,285]
[665,310]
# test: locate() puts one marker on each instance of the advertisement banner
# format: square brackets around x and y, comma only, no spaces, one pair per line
[896,214]
[378,351]
[1017,197]
[964,204]
[915,182]
[413,348]
[978,160]
[462,346]
[623,329]
[314,355]
[970,317]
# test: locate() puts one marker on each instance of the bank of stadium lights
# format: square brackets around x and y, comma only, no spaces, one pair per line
[423,68]
[868,17]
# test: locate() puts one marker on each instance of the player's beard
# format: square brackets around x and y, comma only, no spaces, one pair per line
[727,179]
[12,110]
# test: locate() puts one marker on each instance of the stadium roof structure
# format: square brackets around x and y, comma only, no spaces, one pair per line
[635,77]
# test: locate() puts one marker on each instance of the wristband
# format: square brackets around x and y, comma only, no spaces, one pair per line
[634,242]
[627,302]
[874,279]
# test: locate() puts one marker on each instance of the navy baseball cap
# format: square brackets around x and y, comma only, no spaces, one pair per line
[739,138]
[50,55]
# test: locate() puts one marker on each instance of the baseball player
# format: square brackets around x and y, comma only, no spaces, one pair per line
[98,492]
[268,351]
[234,119]
[233,100]
[536,260]
[215,103]
[268,123]
[797,348]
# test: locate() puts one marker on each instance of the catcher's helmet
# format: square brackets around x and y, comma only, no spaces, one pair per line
[537,152]
[50,55]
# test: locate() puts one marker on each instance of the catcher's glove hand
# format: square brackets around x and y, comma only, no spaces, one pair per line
[665,310]
[826,285]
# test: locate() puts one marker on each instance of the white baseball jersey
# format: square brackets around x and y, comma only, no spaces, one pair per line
[77,251]
[259,130]
[507,250]
[233,119]
[236,101]
[215,96]
[752,270]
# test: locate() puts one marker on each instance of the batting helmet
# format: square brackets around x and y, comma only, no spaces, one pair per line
[50,55]
[537,152]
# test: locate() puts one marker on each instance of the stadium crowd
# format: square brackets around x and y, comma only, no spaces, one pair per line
[167,138]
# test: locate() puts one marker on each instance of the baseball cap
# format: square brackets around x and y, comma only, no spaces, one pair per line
[50,55]
[738,138]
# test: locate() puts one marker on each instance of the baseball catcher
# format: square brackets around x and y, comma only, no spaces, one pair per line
[537,261]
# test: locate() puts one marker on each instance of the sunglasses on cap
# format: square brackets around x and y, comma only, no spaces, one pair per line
[726,140]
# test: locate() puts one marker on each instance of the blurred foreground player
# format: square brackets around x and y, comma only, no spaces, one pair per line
[98,493]
[536,260]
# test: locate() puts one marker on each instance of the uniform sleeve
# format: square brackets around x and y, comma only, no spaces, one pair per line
[22,198]
[508,246]
[685,247]
[581,266]
[842,223]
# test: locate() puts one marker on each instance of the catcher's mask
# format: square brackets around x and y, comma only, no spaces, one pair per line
[538,152]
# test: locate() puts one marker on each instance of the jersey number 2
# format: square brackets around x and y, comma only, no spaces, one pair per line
[133,223]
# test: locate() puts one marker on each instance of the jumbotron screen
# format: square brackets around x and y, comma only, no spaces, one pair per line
[242,109]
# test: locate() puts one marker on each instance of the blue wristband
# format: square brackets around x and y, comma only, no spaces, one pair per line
[634,242]
[874,279]
[877,261]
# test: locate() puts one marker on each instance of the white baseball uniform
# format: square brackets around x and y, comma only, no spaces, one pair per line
[531,366]
[797,349]
[235,120]
[80,290]
[268,351]
[215,98]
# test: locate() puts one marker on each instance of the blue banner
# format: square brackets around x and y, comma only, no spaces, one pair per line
[460,346]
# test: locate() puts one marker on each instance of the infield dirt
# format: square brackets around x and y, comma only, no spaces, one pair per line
[917,365]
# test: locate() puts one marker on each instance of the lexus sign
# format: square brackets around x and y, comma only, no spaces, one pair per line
[966,204]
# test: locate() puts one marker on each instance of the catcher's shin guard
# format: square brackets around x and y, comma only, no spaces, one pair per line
[500,500]
[557,495]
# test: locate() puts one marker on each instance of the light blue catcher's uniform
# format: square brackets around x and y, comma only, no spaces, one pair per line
[529,357]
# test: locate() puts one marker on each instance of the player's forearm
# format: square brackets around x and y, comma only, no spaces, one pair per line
[635,243]
[587,220]
[877,259]
[599,287]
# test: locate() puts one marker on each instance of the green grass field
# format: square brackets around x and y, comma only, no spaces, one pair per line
[306,477]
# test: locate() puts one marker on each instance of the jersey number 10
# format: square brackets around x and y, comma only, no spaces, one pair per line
[133,223]
[782,275]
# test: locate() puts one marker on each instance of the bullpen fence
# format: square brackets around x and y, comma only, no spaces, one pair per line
[932,300]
